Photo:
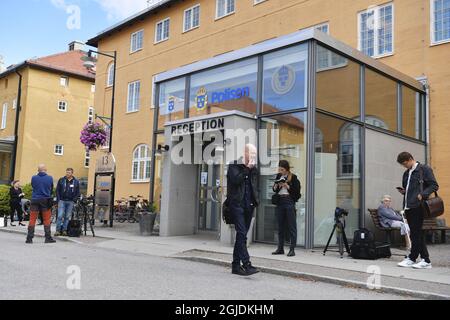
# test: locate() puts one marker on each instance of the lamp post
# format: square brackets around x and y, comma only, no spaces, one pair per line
[89,63]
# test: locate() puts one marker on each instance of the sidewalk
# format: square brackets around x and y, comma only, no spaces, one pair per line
[307,264]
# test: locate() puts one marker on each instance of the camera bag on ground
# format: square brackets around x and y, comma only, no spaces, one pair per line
[365,247]
[74,227]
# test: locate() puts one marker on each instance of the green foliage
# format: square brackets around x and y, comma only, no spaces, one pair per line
[28,190]
[4,200]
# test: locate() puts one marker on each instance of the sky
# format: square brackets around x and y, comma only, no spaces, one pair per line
[36,28]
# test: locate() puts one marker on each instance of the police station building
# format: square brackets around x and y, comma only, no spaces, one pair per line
[339,117]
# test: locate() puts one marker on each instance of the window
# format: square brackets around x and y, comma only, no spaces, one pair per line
[87,158]
[6,83]
[91,115]
[64,81]
[110,76]
[229,87]
[4,115]
[324,27]
[137,40]
[59,149]
[14,104]
[285,79]
[62,106]
[440,21]
[141,164]
[171,101]
[376,31]
[259,1]
[134,90]
[108,136]
[224,8]
[162,30]
[93,88]
[191,18]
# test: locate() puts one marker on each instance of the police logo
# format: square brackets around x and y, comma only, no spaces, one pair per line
[283,80]
[171,104]
[201,100]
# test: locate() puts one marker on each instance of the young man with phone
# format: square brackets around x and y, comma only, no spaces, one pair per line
[415,175]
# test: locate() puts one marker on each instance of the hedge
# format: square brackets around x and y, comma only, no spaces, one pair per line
[4,197]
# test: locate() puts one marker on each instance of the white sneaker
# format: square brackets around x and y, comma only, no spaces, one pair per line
[422,265]
[407,263]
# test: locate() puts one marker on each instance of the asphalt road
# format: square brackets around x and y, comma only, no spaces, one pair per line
[44,271]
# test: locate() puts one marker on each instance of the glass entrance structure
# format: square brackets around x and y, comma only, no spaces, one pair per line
[338,116]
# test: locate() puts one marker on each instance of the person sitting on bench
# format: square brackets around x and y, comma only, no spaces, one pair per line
[391,219]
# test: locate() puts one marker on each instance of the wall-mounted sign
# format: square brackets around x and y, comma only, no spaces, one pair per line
[230,94]
[283,80]
[201,100]
[204,178]
[106,164]
[198,126]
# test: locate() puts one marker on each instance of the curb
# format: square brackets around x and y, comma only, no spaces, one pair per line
[40,235]
[326,279]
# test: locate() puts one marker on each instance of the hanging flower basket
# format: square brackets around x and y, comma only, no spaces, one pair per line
[93,136]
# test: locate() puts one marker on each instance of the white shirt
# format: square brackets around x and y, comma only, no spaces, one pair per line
[284,191]
[407,186]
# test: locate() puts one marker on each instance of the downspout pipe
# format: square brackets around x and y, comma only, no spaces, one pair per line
[16,128]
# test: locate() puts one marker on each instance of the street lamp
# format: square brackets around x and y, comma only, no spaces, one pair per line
[89,63]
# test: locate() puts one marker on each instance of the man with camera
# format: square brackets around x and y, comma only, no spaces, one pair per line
[67,193]
[416,177]
[242,195]
[41,202]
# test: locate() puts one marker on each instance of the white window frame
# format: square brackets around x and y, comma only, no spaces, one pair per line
[92,88]
[139,161]
[133,102]
[4,116]
[226,14]
[135,35]
[376,10]
[55,151]
[65,83]
[162,22]
[432,28]
[321,25]
[66,106]
[192,27]
[255,2]
[91,115]
[87,159]
[110,75]
[14,105]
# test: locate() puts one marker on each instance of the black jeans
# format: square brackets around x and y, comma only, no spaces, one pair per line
[242,216]
[16,206]
[286,215]
[418,241]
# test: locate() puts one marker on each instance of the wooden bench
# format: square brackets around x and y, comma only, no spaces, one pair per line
[428,225]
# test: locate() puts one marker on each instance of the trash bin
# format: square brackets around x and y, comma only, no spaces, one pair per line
[146,223]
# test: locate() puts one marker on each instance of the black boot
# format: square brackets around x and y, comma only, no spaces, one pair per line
[249,269]
[238,270]
[30,235]
[48,235]
[278,251]
[291,253]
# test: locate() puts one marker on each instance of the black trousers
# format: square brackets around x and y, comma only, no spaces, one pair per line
[418,242]
[286,216]
[242,216]
[15,206]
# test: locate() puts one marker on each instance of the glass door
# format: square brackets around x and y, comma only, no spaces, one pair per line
[210,197]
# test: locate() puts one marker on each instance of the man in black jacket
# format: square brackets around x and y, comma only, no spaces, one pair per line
[242,195]
[417,185]
[67,193]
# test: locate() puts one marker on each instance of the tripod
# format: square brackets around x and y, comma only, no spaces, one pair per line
[339,225]
[86,219]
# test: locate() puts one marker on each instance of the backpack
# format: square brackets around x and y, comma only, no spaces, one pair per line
[74,228]
[365,247]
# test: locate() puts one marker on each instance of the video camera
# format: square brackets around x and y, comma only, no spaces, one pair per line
[339,213]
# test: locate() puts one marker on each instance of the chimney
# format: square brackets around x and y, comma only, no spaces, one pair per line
[2,64]
[76,45]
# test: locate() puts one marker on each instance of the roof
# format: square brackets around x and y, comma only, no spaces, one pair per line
[129,21]
[69,63]
[301,36]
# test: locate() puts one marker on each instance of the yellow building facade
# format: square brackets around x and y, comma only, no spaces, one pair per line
[414,53]
[56,102]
